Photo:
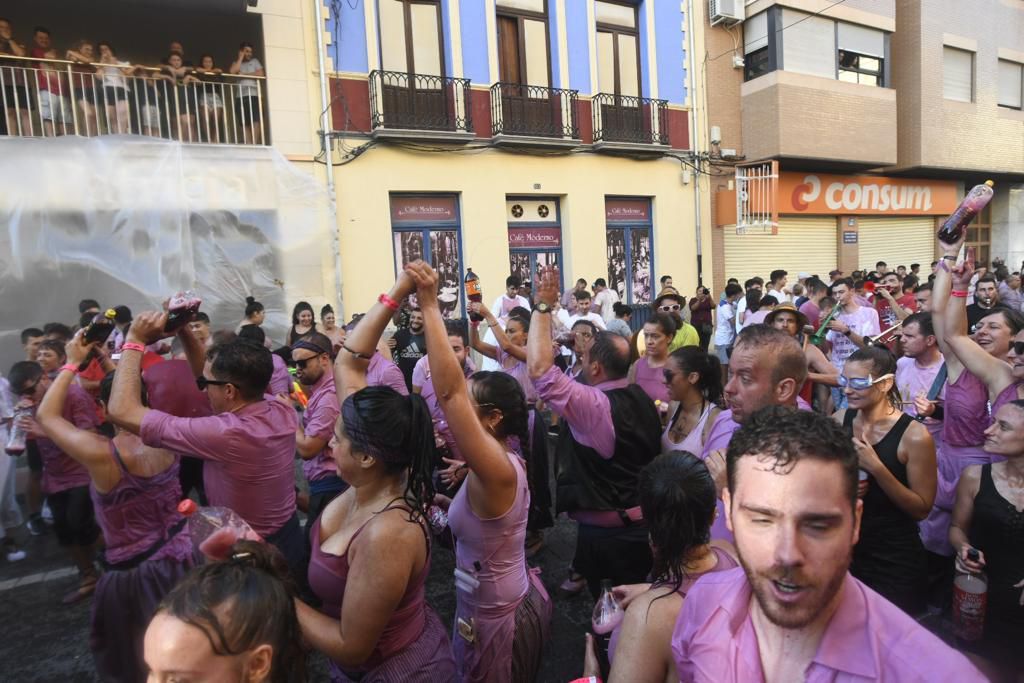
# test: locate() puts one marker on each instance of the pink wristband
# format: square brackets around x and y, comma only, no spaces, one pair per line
[69,366]
[962,294]
[133,346]
[388,301]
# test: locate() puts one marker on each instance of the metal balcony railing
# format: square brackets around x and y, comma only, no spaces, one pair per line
[400,100]
[636,120]
[533,110]
[52,97]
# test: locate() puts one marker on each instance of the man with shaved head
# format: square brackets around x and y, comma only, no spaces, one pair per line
[609,431]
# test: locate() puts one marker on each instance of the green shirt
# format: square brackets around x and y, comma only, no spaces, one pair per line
[685,336]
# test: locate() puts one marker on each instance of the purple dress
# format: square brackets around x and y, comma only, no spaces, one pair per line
[651,380]
[413,646]
[148,551]
[509,612]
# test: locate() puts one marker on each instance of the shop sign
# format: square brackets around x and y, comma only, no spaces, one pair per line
[534,238]
[627,210]
[804,193]
[423,210]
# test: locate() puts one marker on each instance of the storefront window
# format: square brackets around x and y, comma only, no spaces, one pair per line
[427,227]
[630,255]
[534,237]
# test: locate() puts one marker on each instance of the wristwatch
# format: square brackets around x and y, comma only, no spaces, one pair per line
[542,307]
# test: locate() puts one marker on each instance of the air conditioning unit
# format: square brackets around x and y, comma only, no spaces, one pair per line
[728,12]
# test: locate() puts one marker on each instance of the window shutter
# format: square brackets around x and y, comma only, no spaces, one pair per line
[1011,82]
[861,39]
[809,47]
[957,74]
[755,33]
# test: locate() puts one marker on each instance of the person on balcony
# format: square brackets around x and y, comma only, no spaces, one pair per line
[185,104]
[15,93]
[211,106]
[247,99]
[83,83]
[115,89]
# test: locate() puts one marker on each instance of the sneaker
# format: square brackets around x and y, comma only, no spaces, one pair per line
[36,526]
[574,584]
[47,514]
[13,552]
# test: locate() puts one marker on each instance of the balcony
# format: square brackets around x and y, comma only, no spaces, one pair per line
[415,106]
[629,124]
[51,97]
[536,116]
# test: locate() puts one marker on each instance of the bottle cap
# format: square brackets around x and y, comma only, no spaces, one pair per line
[990,183]
[110,314]
[187,507]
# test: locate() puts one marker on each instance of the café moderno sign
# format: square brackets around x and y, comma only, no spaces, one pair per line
[818,194]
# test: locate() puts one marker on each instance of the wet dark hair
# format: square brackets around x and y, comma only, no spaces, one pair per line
[786,435]
[252,333]
[59,329]
[22,374]
[881,362]
[87,304]
[521,316]
[252,307]
[665,322]
[501,391]
[621,309]
[611,352]
[694,359]
[30,333]
[201,317]
[923,322]
[245,364]
[299,308]
[398,431]
[677,496]
[241,603]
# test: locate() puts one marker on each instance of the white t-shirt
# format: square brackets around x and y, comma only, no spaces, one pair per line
[592,317]
[779,296]
[247,86]
[113,77]
[741,308]
[725,330]
[604,301]
[503,305]
[863,321]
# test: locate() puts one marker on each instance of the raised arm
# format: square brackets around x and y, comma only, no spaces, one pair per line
[126,409]
[360,344]
[87,448]
[475,342]
[538,346]
[486,457]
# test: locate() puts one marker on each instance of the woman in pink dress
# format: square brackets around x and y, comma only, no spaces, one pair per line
[502,612]
[648,370]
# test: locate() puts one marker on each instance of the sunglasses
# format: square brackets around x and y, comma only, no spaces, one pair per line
[1018,348]
[203,382]
[861,383]
[301,364]
[668,308]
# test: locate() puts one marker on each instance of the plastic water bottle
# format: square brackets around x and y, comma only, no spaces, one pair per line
[16,437]
[181,310]
[473,292]
[976,200]
[215,529]
[970,599]
[608,613]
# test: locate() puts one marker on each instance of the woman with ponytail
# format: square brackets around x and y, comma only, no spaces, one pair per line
[371,546]
[503,612]
[694,382]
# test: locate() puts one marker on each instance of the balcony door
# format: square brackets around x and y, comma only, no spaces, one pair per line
[524,65]
[412,56]
[618,71]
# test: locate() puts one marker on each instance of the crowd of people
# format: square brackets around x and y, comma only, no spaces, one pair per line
[90,89]
[779,487]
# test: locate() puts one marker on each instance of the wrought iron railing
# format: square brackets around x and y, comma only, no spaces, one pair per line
[639,120]
[53,97]
[534,111]
[400,100]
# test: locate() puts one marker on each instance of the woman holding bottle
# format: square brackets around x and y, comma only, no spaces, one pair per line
[503,612]
[371,545]
[647,371]
[898,455]
[135,494]
[989,517]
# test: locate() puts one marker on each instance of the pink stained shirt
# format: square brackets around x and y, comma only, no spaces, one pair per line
[318,421]
[912,380]
[813,313]
[249,458]
[421,378]
[383,373]
[60,471]
[281,379]
[585,408]
[867,639]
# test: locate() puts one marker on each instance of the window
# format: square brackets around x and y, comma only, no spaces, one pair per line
[957,74]
[756,57]
[410,36]
[630,259]
[861,56]
[1011,84]
[523,48]
[427,227]
[618,49]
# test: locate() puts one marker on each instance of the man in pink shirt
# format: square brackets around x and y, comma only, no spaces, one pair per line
[315,371]
[248,443]
[792,612]
[384,373]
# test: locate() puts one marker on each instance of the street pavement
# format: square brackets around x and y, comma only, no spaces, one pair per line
[46,642]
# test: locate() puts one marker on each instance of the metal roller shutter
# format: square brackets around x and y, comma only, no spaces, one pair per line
[802,244]
[897,241]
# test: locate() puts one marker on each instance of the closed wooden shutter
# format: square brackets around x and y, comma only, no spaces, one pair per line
[801,245]
[897,241]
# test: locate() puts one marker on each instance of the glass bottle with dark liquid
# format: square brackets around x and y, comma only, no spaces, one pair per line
[976,200]
[473,292]
[181,310]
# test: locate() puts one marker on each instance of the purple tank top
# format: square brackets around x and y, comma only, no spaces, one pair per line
[1008,394]
[138,512]
[966,411]
[328,575]
[651,380]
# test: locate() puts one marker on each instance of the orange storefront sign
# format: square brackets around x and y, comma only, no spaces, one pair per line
[822,194]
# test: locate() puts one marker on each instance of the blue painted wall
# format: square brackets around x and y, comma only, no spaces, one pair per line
[669,53]
[556,77]
[348,37]
[473,18]
[578,41]
[645,63]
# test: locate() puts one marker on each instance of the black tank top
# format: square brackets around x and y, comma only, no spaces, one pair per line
[997,529]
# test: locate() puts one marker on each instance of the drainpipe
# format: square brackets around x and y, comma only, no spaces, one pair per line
[694,129]
[325,147]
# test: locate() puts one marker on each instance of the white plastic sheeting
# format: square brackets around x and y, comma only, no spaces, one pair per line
[129,221]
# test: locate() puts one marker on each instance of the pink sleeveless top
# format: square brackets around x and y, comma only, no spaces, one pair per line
[328,575]
[1007,395]
[966,411]
[517,368]
[651,380]
[692,442]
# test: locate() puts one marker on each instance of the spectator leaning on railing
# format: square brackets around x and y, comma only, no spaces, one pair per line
[247,101]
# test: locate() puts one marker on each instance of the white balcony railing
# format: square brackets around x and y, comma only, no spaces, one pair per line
[50,97]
